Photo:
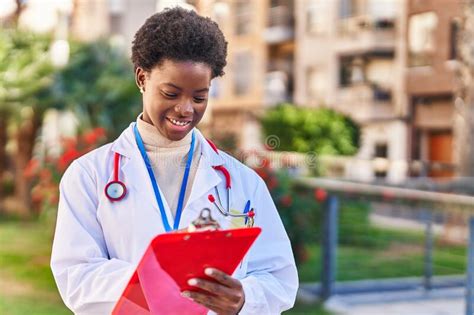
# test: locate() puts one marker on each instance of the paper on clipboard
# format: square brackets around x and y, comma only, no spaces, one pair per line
[174,258]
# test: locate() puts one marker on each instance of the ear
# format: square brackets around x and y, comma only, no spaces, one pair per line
[140,78]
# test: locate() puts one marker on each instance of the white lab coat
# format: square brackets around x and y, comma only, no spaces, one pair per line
[98,244]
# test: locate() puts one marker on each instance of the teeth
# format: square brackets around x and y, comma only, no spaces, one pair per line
[178,123]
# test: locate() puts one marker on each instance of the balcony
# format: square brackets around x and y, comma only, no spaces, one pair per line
[367,32]
[365,102]
[276,88]
[280,25]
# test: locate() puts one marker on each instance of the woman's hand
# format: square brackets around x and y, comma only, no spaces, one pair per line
[224,297]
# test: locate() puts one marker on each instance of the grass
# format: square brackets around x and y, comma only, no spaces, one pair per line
[384,259]
[27,286]
[30,305]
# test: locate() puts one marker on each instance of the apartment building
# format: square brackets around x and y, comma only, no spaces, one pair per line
[432,30]
[349,57]
[389,64]
[94,19]
[259,72]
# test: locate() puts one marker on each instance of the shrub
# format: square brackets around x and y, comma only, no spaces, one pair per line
[46,174]
[320,130]
[302,213]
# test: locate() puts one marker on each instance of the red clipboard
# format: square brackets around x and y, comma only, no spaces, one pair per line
[171,260]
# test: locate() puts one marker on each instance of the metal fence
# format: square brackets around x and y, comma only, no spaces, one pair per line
[432,209]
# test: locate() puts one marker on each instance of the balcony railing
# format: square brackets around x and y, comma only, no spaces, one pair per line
[362,23]
[276,88]
[372,101]
[280,24]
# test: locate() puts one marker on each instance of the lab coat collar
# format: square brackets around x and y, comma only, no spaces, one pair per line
[205,180]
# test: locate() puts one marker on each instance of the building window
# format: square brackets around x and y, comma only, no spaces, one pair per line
[454,29]
[381,155]
[316,84]
[381,150]
[351,71]
[421,38]
[243,17]
[346,9]
[281,13]
[317,18]
[242,72]
[345,70]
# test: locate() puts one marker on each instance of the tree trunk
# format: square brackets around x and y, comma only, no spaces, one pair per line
[25,139]
[464,105]
[3,152]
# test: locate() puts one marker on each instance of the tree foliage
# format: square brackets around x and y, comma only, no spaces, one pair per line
[98,85]
[321,130]
[26,72]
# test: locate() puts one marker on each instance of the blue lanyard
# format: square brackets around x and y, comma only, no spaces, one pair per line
[182,192]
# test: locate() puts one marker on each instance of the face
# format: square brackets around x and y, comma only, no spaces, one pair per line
[175,96]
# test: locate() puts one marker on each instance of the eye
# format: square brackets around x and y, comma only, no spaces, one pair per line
[199,99]
[168,94]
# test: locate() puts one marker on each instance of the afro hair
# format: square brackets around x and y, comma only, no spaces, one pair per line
[179,35]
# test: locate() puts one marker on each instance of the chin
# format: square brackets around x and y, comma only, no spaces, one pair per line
[176,136]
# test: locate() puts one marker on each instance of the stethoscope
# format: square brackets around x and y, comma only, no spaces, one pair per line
[116,190]
[247,214]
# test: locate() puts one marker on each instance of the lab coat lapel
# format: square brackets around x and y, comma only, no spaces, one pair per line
[135,174]
[204,182]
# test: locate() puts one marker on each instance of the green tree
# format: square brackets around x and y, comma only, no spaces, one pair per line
[320,131]
[98,86]
[26,74]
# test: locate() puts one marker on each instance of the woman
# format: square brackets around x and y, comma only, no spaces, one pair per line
[101,236]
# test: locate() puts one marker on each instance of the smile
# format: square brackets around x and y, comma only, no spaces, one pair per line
[178,122]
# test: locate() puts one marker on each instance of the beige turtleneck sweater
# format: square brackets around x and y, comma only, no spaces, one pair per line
[168,159]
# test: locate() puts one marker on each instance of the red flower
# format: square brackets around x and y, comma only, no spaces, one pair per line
[89,137]
[45,175]
[37,195]
[265,163]
[31,168]
[272,183]
[100,132]
[286,200]
[67,158]
[54,198]
[262,173]
[93,136]
[69,143]
[320,194]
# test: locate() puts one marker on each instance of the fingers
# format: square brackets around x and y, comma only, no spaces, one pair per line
[213,303]
[226,296]
[216,289]
[223,278]
[207,301]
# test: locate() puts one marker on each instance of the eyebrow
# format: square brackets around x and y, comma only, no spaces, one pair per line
[178,88]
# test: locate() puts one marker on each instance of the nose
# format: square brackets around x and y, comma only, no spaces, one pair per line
[185,108]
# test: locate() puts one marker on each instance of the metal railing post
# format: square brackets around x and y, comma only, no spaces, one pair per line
[470,270]
[329,247]
[428,265]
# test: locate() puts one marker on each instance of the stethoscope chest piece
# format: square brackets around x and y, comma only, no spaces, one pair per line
[115,190]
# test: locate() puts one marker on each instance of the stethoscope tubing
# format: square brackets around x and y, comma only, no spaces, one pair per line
[226,212]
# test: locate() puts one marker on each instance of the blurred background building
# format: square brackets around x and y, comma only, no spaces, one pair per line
[388,64]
